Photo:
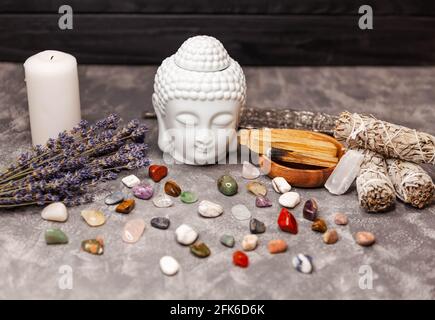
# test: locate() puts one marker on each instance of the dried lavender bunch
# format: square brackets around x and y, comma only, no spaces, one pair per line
[387,139]
[412,183]
[374,187]
[69,167]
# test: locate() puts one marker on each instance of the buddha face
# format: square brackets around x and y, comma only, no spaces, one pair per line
[199,133]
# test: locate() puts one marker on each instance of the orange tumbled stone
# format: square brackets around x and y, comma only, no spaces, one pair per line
[277,246]
[125,206]
[240,259]
[157,172]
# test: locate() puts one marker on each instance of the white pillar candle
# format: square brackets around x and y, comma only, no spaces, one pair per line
[52,93]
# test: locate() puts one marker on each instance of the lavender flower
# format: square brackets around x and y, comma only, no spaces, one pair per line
[70,166]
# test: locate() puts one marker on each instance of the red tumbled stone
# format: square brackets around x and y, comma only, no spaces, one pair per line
[157,172]
[287,221]
[240,259]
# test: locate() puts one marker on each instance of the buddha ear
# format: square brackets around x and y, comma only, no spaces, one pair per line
[164,140]
[159,108]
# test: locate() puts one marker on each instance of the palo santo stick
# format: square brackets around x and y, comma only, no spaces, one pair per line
[253,138]
[296,146]
[295,157]
[292,139]
[263,148]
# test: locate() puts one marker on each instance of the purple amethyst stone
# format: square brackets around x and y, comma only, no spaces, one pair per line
[143,191]
[262,202]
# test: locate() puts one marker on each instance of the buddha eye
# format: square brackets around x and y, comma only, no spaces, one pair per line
[187,119]
[223,120]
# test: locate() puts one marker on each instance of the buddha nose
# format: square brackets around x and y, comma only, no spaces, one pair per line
[204,137]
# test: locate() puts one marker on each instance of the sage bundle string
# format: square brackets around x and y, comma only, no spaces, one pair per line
[412,184]
[387,139]
[374,187]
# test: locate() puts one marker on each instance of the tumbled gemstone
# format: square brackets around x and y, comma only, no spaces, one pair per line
[160,223]
[227,185]
[55,211]
[263,202]
[319,225]
[340,219]
[310,209]
[93,246]
[303,263]
[277,246]
[169,265]
[133,230]
[241,212]
[94,218]
[330,236]
[249,242]
[287,222]
[227,240]
[172,188]
[157,172]
[162,201]
[256,226]
[210,209]
[55,236]
[240,259]
[125,206]
[200,249]
[289,199]
[249,171]
[130,181]
[143,191]
[114,198]
[365,238]
[188,197]
[256,188]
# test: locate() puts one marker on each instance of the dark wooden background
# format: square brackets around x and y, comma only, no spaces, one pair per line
[255,32]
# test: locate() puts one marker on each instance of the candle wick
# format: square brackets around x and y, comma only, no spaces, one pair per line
[51,57]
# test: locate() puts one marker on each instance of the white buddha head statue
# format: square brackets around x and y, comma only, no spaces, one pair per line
[198,93]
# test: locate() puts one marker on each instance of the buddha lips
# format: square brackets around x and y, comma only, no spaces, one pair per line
[287,222]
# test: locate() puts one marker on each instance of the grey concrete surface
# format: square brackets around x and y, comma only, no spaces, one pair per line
[402,261]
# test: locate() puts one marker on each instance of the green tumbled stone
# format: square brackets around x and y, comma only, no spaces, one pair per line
[227,185]
[55,236]
[200,250]
[188,197]
[227,240]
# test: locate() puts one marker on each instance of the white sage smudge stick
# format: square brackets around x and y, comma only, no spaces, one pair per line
[375,190]
[412,184]
[387,139]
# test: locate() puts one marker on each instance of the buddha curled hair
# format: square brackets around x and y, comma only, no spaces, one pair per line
[200,70]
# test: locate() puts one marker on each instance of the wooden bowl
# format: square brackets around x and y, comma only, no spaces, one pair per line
[305,178]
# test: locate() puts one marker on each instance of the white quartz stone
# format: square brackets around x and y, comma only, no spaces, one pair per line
[130,181]
[185,234]
[249,171]
[289,199]
[55,212]
[281,185]
[163,201]
[249,242]
[241,212]
[345,172]
[169,265]
[210,209]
